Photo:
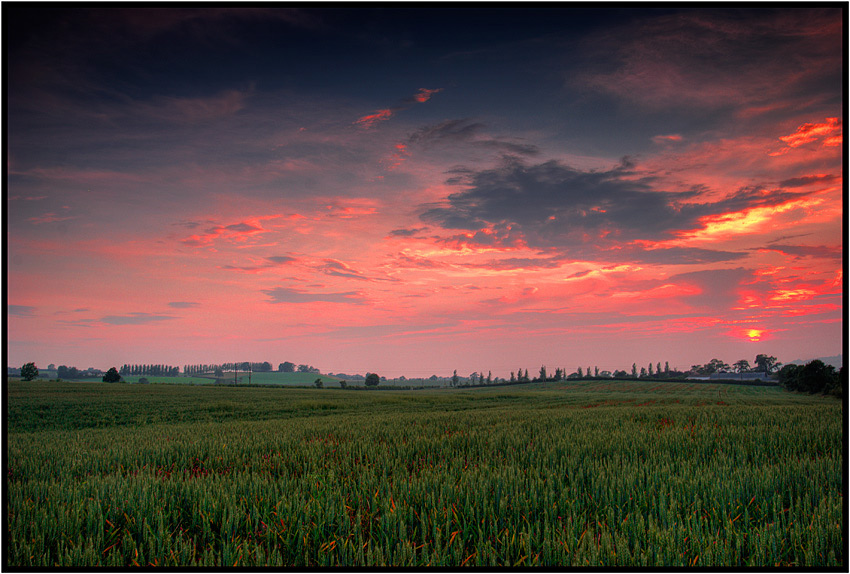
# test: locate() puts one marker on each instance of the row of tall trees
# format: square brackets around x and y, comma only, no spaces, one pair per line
[153,370]
[763,363]
[201,369]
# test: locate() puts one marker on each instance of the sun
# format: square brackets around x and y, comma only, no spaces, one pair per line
[754,335]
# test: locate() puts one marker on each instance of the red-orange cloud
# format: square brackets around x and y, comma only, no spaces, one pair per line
[424,94]
[370,120]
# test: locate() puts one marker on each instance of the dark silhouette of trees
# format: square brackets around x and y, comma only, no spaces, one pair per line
[742,366]
[318,383]
[111,376]
[29,371]
[372,380]
[767,364]
[455,379]
[286,367]
[65,372]
[711,367]
[814,377]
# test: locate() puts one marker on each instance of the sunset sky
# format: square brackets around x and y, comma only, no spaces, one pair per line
[410,191]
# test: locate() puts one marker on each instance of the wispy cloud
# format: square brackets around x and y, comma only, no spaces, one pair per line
[468,133]
[290,295]
[135,319]
[183,304]
[20,310]
[371,120]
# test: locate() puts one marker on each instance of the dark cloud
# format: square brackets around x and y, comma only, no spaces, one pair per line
[183,304]
[20,310]
[135,319]
[682,255]
[807,180]
[340,269]
[407,232]
[597,214]
[818,251]
[281,259]
[289,295]
[243,227]
[454,132]
[416,262]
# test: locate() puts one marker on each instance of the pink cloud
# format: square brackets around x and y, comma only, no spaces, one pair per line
[424,94]
[662,139]
[236,232]
[810,132]
[51,218]
[370,120]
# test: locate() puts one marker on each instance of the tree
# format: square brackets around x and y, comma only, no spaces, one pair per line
[742,366]
[372,380]
[29,372]
[814,377]
[111,376]
[650,369]
[218,372]
[318,383]
[766,363]
[455,379]
[634,370]
[286,367]
[145,381]
[266,367]
[543,373]
[580,373]
[51,367]
[343,383]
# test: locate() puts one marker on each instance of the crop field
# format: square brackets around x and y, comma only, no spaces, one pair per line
[592,473]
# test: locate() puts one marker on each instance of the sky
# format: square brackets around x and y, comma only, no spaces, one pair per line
[411,190]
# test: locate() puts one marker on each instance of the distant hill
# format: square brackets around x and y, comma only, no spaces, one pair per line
[836,361]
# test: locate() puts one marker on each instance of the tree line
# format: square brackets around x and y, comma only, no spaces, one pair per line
[263,367]
[152,370]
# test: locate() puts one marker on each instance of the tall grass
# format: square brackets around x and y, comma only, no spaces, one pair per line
[566,476]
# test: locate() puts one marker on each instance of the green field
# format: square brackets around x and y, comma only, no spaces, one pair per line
[595,473]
